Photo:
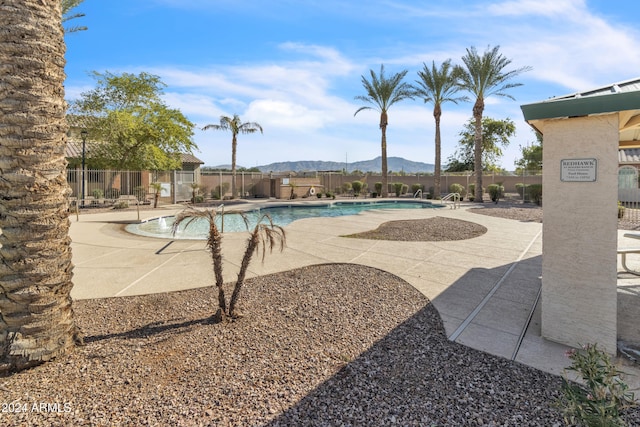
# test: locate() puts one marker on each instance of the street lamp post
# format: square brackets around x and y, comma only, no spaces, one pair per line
[83,135]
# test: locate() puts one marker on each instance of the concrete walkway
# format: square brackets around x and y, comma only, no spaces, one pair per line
[485,288]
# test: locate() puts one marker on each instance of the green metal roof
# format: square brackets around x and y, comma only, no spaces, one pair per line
[621,96]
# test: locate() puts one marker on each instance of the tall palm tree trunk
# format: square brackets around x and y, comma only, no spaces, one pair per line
[234,147]
[437,170]
[383,143]
[36,314]
[478,109]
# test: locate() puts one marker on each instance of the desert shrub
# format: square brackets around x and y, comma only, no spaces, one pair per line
[357,187]
[198,199]
[604,395]
[535,192]
[397,187]
[97,193]
[319,195]
[112,193]
[218,193]
[346,187]
[329,194]
[378,187]
[471,193]
[456,188]
[121,205]
[416,187]
[522,190]
[405,188]
[496,191]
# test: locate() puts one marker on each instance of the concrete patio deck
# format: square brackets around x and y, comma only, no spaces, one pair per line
[484,288]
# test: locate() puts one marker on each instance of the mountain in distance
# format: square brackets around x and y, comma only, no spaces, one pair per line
[395,164]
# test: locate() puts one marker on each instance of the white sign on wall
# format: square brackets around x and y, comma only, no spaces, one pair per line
[578,170]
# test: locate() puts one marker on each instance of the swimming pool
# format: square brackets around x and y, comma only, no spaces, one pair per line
[281,215]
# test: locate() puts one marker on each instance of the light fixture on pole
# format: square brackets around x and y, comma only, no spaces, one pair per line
[83,135]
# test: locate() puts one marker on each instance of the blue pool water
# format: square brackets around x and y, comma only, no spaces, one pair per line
[281,215]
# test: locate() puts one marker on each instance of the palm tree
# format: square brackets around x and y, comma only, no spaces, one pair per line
[157,189]
[437,86]
[236,126]
[382,93]
[484,76]
[264,235]
[37,322]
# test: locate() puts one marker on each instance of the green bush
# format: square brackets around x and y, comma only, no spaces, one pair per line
[357,187]
[346,187]
[416,187]
[216,193]
[620,211]
[97,193]
[378,187]
[319,195]
[198,199]
[535,192]
[471,193]
[602,398]
[121,205]
[496,191]
[397,187]
[405,188]
[521,189]
[457,188]
[112,193]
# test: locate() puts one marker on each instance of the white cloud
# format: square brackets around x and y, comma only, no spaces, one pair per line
[281,114]
[548,8]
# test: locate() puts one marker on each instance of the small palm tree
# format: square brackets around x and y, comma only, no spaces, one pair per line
[235,125]
[484,76]
[437,86]
[264,235]
[382,93]
[194,191]
[157,189]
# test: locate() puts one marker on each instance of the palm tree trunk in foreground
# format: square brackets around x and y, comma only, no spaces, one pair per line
[36,315]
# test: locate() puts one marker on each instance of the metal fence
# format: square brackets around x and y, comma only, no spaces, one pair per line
[95,187]
[628,194]
[217,184]
[103,186]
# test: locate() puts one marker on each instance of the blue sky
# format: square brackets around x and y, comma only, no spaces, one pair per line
[296,66]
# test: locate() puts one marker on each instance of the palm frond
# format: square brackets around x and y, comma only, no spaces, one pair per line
[382,91]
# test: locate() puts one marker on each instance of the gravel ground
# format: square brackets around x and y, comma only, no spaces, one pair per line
[424,230]
[324,345]
[519,211]
[327,345]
